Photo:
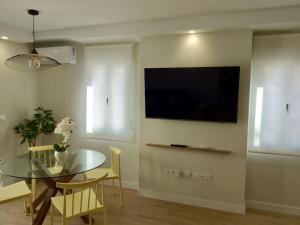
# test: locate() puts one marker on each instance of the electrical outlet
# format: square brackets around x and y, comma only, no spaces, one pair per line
[202,176]
[176,173]
[167,172]
[186,173]
[172,172]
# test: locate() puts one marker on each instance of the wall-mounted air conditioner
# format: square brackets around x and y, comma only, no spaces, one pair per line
[62,54]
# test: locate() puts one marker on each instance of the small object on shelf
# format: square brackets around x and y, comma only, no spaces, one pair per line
[205,149]
[176,145]
[202,147]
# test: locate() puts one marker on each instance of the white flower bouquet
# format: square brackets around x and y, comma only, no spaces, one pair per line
[64,128]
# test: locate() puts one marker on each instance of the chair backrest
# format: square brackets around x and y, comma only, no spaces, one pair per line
[115,160]
[37,152]
[41,148]
[83,188]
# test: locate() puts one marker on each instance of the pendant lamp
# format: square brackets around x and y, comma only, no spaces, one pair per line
[31,62]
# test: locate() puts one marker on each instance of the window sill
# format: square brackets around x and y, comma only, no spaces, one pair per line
[278,153]
[106,139]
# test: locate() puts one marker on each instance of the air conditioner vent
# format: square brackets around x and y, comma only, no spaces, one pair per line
[62,54]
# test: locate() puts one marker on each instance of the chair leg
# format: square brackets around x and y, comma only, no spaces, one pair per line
[33,188]
[120,192]
[25,207]
[31,208]
[104,216]
[64,220]
[90,219]
[114,187]
[52,211]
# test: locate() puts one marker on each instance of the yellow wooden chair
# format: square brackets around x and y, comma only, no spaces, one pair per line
[80,203]
[114,172]
[15,192]
[36,153]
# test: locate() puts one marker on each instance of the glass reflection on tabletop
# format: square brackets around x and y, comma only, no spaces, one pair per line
[43,164]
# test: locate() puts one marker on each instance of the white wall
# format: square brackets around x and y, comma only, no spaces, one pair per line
[63,90]
[18,98]
[227,191]
[273,181]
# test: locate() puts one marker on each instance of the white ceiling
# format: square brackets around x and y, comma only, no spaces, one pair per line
[59,14]
[97,21]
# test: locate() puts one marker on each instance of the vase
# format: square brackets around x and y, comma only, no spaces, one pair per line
[61,157]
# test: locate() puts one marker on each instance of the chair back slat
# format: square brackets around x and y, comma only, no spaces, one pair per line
[73,202]
[81,195]
[102,193]
[50,160]
[115,159]
[89,196]
[86,189]
[96,190]
[65,203]
[45,158]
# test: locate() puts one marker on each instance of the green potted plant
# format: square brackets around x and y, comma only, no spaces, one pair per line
[42,122]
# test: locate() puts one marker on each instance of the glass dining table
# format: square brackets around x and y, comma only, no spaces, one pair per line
[44,167]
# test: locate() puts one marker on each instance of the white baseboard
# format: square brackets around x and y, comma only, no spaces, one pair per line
[273,207]
[223,206]
[130,185]
[126,184]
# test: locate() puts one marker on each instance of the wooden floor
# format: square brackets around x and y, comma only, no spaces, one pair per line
[144,211]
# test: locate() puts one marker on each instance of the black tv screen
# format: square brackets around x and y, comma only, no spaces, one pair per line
[192,93]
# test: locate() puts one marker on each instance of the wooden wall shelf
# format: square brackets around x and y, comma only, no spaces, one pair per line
[189,148]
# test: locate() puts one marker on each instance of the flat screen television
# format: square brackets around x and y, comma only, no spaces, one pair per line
[192,93]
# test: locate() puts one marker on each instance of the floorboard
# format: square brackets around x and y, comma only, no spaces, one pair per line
[144,211]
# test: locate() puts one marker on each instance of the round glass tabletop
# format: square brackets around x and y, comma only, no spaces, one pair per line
[44,164]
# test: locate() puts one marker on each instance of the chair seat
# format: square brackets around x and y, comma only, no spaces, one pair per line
[99,172]
[58,202]
[14,191]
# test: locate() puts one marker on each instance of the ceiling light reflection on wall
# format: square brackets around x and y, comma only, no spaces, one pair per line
[193,40]
[4,37]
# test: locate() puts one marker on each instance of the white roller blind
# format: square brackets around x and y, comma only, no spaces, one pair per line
[109,92]
[275,94]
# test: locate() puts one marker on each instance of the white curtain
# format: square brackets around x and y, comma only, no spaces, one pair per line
[275,94]
[109,92]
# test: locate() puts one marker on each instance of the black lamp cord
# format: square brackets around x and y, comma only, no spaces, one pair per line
[33,32]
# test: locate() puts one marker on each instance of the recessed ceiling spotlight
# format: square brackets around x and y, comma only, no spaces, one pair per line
[192,31]
[4,37]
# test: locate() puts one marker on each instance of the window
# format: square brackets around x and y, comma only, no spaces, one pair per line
[109,92]
[275,93]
